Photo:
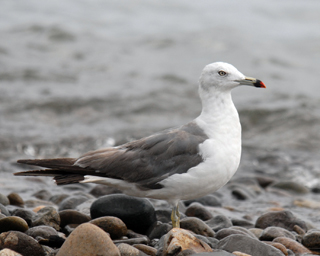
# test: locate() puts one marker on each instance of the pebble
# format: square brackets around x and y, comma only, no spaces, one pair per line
[132,241]
[311,239]
[264,181]
[284,219]
[146,249]
[197,226]
[128,250]
[25,214]
[4,210]
[293,245]
[242,223]
[21,243]
[215,252]
[279,246]
[225,232]
[199,211]
[102,190]
[8,252]
[15,199]
[42,231]
[256,231]
[271,233]
[47,216]
[179,240]
[158,229]
[137,213]
[57,199]
[112,225]
[4,200]
[247,245]
[307,203]
[37,202]
[13,223]
[219,222]
[291,187]
[72,217]
[208,200]
[86,240]
[71,202]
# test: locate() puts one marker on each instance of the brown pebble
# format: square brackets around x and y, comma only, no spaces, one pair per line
[68,217]
[197,226]
[293,245]
[112,225]
[240,253]
[128,250]
[179,240]
[15,199]
[13,223]
[279,246]
[146,249]
[87,240]
[198,210]
[38,208]
[21,243]
[299,230]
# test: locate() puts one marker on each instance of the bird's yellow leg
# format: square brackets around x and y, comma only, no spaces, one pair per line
[175,217]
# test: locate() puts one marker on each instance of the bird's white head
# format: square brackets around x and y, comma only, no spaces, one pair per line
[220,76]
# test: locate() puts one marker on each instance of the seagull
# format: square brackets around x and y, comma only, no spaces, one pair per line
[177,164]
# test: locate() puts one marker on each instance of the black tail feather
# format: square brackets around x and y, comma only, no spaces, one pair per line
[68,179]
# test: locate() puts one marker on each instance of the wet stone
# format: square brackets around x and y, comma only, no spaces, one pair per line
[87,240]
[4,210]
[47,216]
[57,199]
[72,217]
[112,225]
[43,194]
[271,233]
[158,229]
[15,199]
[32,203]
[21,243]
[225,232]
[179,240]
[291,187]
[197,226]
[42,231]
[137,213]
[264,181]
[293,245]
[215,252]
[256,231]
[146,249]
[128,250]
[242,193]
[25,214]
[219,222]
[208,200]
[242,223]
[72,202]
[312,239]
[279,246]
[211,241]
[13,223]
[102,190]
[199,211]
[247,245]
[4,200]
[284,219]
[85,206]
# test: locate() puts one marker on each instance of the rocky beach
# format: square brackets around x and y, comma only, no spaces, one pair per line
[78,76]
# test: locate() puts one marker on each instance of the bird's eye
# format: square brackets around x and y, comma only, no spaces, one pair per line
[222,73]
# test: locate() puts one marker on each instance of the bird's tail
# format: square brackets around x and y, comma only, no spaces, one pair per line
[62,169]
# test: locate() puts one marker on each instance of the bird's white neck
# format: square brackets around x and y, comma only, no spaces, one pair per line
[219,115]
